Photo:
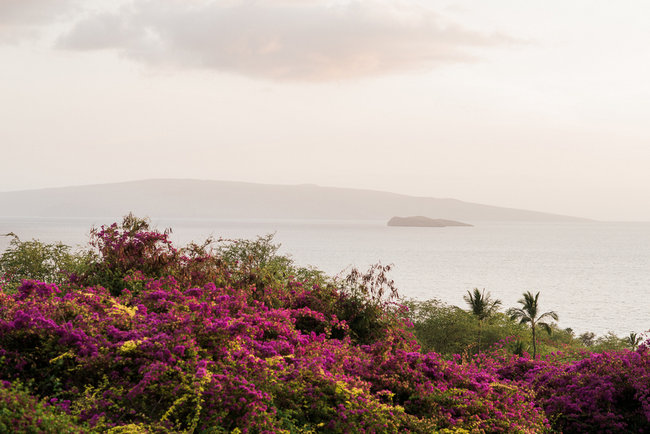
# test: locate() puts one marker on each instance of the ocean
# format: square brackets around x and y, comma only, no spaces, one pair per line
[595,275]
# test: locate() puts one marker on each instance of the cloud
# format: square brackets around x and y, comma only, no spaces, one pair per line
[25,12]
[20,18]
[280,39]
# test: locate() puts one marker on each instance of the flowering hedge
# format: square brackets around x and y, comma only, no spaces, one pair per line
[191,341]
[606,392]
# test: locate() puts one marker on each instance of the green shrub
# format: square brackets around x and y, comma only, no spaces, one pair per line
[440,327]
[21,412]
[47,262]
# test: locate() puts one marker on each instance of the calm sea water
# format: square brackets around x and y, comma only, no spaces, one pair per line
[595,275]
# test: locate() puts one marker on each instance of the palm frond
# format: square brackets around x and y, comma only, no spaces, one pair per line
[546,326]
[518,314]
[550,314]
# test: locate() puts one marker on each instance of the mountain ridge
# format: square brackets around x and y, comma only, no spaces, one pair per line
[194,198]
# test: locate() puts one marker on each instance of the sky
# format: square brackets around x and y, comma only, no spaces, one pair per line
[534,105]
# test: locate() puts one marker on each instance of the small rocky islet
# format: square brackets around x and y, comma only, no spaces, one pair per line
[422,221]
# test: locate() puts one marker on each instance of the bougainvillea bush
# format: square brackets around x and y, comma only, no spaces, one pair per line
[606,392]
[146,337]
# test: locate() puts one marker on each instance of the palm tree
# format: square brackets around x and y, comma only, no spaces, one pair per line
[633,340]
[482,307]
[527,313]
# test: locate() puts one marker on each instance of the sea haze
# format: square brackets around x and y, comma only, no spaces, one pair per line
[595,275]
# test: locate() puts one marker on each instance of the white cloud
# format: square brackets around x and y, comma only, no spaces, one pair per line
[280,39]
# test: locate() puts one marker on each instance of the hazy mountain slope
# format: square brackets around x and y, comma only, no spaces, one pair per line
[176,198]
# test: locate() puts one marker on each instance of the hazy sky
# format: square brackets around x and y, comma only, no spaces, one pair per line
[540,105]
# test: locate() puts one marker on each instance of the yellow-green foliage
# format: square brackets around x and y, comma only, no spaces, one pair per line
[20,412]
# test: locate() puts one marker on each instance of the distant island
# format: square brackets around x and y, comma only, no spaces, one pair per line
[191,198]
[421,221]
